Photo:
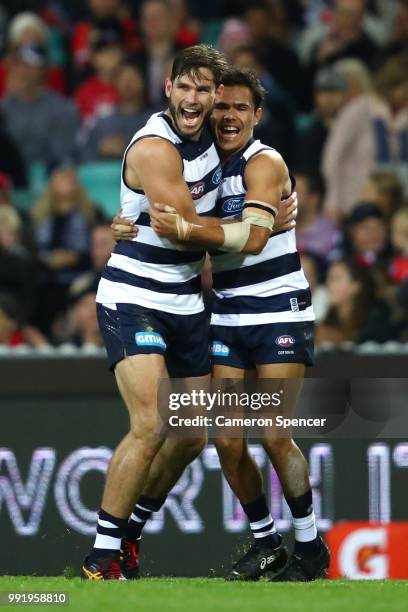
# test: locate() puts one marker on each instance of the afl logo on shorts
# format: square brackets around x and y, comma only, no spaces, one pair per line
[233,205]
[285,340]
[197,190]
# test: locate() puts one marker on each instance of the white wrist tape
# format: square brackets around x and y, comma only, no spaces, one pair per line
[250,214]
[183,227]
[252,218]
[235,236]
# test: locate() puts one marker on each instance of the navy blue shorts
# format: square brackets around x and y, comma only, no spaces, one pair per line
[250,345]
[183,340]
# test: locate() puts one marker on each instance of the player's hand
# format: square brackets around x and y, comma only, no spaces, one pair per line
[287,213]
[123,229]
[163,219]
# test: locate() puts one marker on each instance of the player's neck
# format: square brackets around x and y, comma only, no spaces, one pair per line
[226,155]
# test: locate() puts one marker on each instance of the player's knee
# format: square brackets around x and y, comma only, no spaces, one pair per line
[191,448]
[144,432]
[277,446]
[228,449]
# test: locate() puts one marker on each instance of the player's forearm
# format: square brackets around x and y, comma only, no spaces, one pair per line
[214,238]
[208,236]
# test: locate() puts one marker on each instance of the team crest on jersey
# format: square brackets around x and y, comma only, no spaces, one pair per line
[150,338]
[233,205]
[219,349]
[285,340]
[217,176]
[197,190]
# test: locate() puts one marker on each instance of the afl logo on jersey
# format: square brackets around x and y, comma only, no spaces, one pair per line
[285,340]
[197,190]
[217,176]
[233,205]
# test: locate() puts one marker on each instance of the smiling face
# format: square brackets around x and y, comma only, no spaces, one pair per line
[234,118]
[191,99]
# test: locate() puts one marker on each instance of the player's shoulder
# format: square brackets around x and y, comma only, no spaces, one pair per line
[155,150]
[266,159]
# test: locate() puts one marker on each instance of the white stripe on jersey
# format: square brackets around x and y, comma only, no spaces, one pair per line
[231,186]
[168,302]
[191,170]
[207,202]
[165,273]
[233,320]
[279,245]
[274,286]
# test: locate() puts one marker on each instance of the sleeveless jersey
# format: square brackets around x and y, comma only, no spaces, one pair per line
[149,270]
[254,289]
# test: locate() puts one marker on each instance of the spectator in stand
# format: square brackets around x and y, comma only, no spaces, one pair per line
[98,95]
[101,247]
[355,313]
[369,134]
[82,327]
[187,28]
[102,13]
[399,241]
[345,37]
[385,190]
[27,238]
[17,279]
[329,97]
[79,326]
[63,218]
[159,28]
[17,268]
[12,163]
[314,268]
[10,321]
[277,56]
[398,40]
[29,29]
[367,236]
[109,136]
[277,126]
[42,123]
[316,233]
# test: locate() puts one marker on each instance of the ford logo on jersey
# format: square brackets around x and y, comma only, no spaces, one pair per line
[197,190]
[217,176]
[219,349]
[150,338]
[233,205]
[285,340]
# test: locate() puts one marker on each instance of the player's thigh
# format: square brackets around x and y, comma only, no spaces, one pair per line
[138,378]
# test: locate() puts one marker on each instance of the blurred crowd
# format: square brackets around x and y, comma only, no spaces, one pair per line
[78,78]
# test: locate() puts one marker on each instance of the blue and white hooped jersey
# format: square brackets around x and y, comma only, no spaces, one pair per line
[255,289]
[149,270]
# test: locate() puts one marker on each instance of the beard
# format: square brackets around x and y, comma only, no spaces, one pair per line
[176,114]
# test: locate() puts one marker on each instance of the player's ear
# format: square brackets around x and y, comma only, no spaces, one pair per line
[219,90]
[258,115]
[168,86]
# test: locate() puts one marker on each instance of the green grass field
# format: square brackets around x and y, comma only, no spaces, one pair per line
[215,595]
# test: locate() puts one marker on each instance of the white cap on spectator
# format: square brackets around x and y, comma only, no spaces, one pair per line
[24,21]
